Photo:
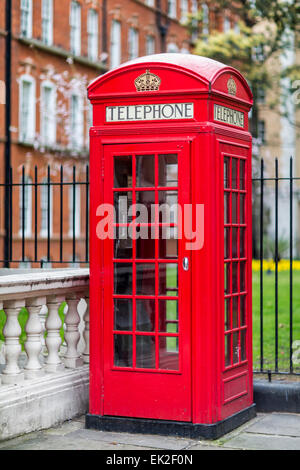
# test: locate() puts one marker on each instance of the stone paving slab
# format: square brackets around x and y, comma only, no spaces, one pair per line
[285,424]
[275,431]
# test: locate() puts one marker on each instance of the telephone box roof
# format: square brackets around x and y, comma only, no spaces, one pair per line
[204,69]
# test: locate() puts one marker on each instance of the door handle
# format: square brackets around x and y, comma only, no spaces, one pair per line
[185,263]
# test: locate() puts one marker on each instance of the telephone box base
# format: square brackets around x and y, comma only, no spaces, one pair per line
[170,428]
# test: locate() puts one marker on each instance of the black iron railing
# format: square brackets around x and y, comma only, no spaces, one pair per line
[49,223]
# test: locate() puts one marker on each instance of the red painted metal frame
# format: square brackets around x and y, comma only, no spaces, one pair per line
[216,392]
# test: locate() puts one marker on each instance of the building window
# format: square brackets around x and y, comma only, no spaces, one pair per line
[26,18]
[25,206]
[172,8]
[184,9]
[150,3]
[76,117]
[74,210]
[47,22]
[226,25]
[172,47]
[115,44]
[75,28]
[261,131]
[27,109]
[150,45]
[48,114]
[261,95]
[92,29]
[133,43]
[195,26]
[46,207]
[205,19]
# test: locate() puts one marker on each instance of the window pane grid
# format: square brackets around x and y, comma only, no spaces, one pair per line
[159,349]
[235,293]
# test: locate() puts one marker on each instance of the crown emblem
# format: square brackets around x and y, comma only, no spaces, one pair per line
[231,86]
[147,82]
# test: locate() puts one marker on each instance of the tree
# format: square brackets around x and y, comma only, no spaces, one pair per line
[266,30]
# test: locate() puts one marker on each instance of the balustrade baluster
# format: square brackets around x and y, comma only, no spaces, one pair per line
[33,344]
[86,332]
[53,340]
[72,358]
[11,331]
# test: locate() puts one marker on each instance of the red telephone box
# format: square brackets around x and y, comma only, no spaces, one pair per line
[170,311]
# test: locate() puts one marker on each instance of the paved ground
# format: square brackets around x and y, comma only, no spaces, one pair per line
[274,431]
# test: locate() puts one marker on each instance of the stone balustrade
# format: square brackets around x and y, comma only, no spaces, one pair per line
[56,331]
[42,294]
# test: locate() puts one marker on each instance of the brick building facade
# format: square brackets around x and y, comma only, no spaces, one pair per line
[57,48]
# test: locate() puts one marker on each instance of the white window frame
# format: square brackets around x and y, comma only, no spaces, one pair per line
[92,30]
[48,114]
[205,19]
[184,10]
[133,43]
[115,44]
[77,210]
[76,121]
[27,207]
[226,24]
[26,18]
[195,25]
[172,47]
[75,28]
[150,3]
[150,45]
[172,8]
[27,124]
[47,22]
[44,208]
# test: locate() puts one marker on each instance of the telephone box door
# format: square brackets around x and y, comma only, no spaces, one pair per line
[147,285]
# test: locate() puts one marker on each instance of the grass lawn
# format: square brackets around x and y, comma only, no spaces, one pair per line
[269,318]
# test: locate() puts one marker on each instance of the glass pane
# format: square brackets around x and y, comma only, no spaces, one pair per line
[234,242]
[242,174]
[123,350]
[234,277]
[122,202]
[123,314]
[168,248]
[227,314]
[235,312]
[145,279]
[242,243]
[168,170]
[228,350]
[145,213]
[145,248]
[226,208]
[123,172]
[168,207]
[242,276]
[242,208]
[235,348]
[226,173]
[234,208]
[227,278]
[145,315]
[243,345]
[122,248]
[234,167]
[226,243]
[243,310]
[123,278]
[168,353]
[168,316]
[145,352]
[168,279]
[145,171]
